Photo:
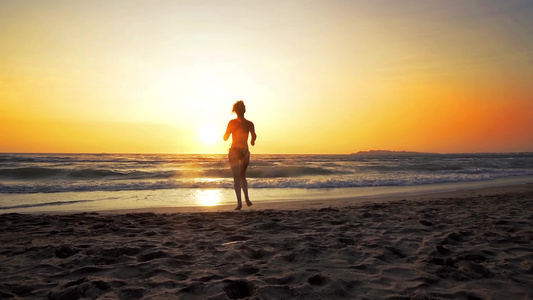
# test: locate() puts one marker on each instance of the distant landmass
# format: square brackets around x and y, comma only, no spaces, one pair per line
[388,152]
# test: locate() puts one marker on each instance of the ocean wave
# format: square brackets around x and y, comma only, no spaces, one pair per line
[49,173]
[29,173]
[321,182]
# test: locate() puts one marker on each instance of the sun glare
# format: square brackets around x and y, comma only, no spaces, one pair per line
[208,197]
[209,134]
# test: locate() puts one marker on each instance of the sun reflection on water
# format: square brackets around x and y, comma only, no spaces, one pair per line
[208,197]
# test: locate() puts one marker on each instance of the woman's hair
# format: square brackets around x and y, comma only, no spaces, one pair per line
[239,108]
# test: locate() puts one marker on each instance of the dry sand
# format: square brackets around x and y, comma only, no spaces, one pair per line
[463,245]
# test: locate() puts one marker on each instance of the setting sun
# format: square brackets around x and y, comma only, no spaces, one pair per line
[209,134]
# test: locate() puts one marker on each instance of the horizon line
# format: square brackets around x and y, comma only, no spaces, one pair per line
[351,153]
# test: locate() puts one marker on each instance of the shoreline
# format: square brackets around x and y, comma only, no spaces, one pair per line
[474,244]
[286,199]
[289,204]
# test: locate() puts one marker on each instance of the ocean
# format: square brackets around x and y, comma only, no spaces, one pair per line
[90,182]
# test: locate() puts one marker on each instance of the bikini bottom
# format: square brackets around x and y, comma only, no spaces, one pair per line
[240,153]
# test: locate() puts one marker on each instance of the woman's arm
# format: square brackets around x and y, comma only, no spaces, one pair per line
[252,132]
[228,132]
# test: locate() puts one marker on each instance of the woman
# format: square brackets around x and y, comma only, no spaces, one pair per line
[238,155]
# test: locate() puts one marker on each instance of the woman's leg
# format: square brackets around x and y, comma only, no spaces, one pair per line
[234,163]
[244,183]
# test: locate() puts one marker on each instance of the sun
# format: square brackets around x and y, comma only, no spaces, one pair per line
[208,134]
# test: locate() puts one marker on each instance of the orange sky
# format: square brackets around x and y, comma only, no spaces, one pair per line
[316,76]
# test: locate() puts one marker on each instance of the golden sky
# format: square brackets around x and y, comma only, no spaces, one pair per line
[316,76]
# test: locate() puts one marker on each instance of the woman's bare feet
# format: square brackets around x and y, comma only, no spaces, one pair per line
[238,207]
[249,203]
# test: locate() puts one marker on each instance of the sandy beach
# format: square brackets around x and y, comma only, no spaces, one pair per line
[473,244]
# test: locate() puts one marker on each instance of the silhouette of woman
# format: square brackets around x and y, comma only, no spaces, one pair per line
[239,155]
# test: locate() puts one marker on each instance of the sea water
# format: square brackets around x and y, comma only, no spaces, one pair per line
[88,182]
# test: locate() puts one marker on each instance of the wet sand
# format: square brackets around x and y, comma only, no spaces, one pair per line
[473,244]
